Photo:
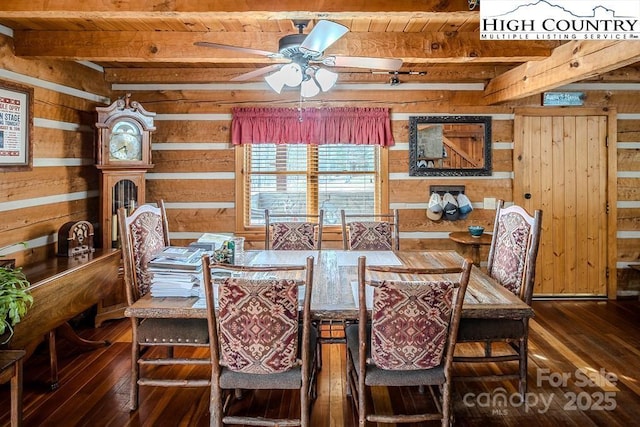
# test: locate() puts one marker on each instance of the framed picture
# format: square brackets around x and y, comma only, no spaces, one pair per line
[16,121]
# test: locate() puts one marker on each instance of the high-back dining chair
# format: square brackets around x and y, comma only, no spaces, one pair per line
[512,263]
[370,232]
[143,234]
[293,231]
[410,339]
[258,338]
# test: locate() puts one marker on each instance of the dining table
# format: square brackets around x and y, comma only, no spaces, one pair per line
[334,287]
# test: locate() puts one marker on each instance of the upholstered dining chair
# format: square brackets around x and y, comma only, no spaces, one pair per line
[293,231]
[367,232]
[512,263]
[143,234]
[258,338]
[410,339]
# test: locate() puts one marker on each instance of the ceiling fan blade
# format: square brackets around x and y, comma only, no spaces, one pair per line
[323,35]
[239,49]
[256,73]
[391,64]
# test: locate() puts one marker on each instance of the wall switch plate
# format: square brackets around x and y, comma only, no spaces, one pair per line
[490,203]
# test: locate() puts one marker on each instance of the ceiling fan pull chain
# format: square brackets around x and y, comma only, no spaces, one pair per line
[300,108]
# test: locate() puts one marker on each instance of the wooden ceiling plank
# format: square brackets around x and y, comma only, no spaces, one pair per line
[230,6]
[568,63]
[269,25]
[416,25]
[379,25]
[397,25]
[360,25]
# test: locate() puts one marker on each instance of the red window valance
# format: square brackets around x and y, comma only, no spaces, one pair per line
[337,125]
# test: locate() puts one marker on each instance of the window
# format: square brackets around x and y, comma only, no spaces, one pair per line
[294,178]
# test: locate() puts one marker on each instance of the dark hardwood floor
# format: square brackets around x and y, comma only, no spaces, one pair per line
[575,347]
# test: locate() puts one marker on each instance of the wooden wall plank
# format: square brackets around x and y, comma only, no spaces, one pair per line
[628,189]
[29,223]
[57,143]
[194,161]
[628,130]
[191,190]
[417,190]
[192,130]
[65,108]
[628,160]
[46,181]
[209,220]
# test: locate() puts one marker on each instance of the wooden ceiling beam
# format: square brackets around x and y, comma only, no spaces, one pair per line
[576,60]
[258,8]
[178,47]
[436,74]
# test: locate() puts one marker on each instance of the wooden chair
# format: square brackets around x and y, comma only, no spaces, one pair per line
[266,347]
[512,262]
[143,234]
[377,232]
[293,231]
[427,310]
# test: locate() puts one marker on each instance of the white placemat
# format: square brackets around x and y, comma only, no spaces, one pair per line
[284,257]
[350,258]
[368,294]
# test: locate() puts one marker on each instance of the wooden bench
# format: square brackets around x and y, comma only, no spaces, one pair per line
[62,288]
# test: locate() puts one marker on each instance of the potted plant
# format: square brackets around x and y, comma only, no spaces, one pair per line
[15,300]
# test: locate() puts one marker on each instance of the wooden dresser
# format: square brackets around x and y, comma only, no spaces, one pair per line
[62,288]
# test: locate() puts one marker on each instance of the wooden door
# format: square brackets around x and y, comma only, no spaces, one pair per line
[565,165]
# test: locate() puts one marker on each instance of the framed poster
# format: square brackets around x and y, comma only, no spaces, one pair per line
[16,103]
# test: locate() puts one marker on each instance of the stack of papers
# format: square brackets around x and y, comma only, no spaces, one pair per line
[176,284]
[178,258]
[177,272]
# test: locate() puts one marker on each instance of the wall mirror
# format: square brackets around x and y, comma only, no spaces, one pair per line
[450,146]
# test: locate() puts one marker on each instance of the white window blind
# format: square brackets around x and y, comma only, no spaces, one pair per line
[299,178]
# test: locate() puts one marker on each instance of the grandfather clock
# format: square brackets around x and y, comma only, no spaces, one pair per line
[123,156]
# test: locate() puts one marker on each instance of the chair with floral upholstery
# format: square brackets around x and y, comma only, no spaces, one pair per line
[372,232]
[143,234]
[410,339]
[512,263]
[293,231]
[258,340]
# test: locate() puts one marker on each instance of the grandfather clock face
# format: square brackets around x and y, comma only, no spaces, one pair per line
[124,136]
[125,142]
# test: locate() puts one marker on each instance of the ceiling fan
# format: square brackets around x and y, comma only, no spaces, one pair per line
[305,52]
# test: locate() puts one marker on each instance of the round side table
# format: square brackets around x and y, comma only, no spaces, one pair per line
[466,239]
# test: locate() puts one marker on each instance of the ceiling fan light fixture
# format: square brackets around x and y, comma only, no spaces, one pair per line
[326,79]
[291,74]
[309,88]
[276,81]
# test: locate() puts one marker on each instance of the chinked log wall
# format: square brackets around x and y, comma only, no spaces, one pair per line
[195,165]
